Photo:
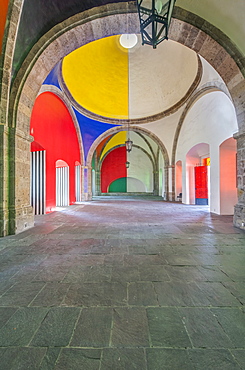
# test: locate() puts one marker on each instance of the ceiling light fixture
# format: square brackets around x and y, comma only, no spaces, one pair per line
[155,17]
[128,142]
[128,40]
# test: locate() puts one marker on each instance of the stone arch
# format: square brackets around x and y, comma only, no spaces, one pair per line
[137,129]
[207,88]
[124,128]
[96,23]
[134,146]
[8,46]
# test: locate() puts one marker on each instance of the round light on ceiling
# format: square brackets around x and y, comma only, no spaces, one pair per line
[128,40]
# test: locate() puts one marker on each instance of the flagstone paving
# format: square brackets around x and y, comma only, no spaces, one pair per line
[124,284]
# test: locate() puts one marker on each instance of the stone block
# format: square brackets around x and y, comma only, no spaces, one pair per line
[169,358]
[93,328]
[228,69]
[52,331]
[130,326]
[21,327]
[123,358]
[75,358]
[201,325]
[166,328]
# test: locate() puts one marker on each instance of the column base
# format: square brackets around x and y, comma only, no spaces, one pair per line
[171,196]
[86,197]
[239,216]
[4,222]
[20,220]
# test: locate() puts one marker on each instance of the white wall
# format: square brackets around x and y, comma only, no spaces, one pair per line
[140,168]
[210,120]
[161,176]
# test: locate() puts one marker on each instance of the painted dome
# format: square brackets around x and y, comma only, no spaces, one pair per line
[109,80]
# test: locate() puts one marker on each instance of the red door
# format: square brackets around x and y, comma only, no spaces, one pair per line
[201,185]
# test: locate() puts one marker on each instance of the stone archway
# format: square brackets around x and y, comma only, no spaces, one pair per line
[115,130]
[64,38]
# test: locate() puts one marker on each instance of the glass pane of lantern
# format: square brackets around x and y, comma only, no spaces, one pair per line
[158,6]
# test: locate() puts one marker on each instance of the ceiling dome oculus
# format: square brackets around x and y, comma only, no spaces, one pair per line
[128,40]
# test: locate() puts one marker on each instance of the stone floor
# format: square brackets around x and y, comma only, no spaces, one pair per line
[124,284]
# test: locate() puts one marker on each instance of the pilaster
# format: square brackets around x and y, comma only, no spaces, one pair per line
[21,215]
[86,183]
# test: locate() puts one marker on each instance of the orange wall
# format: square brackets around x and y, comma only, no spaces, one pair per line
[228,191]
[3,14]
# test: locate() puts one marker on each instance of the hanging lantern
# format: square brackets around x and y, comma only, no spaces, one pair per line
[155,17]
[127,164]
[129,145]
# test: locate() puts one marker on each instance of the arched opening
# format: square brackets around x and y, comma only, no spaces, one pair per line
[145,163]
[62,183]
[196,175]
[53,128]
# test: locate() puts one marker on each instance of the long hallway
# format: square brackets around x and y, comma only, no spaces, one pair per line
[124,284]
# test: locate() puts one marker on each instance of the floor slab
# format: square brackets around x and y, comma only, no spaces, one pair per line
[124,284]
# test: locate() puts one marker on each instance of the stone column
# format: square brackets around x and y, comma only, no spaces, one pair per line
[239,212]
[155,182]
[86,183]
[170,183]
[97,182]
[97,176]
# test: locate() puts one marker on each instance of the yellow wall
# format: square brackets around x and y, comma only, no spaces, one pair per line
[97,77]
[117,139]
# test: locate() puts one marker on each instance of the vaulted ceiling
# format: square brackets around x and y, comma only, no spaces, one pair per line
[40,16]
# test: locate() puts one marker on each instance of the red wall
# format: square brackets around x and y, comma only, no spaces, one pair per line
[52,128]
[113,167]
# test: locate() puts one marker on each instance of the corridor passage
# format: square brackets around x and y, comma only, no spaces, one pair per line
[124,284]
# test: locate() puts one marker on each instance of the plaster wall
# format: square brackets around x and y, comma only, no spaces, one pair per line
[113,167]
[228,193]
[211,77]
[161,174]
[138,140]
[140,168]
[165,128]
[211,120]
[150,74]
[178,178]
[53,128]
[226,16]
[215,179]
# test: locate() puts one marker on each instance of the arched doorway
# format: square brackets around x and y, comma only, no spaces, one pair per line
[142,170]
